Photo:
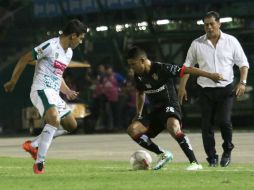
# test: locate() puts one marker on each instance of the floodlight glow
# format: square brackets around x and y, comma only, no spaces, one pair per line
[101,28]
[226,19]
[142,28]
[162,22]
[141,24]
[222,20]
[200,22]
[119,28]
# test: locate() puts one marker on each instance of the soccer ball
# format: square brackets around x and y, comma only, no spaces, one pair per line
[140,160]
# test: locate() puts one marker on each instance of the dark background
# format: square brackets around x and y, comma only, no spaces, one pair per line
[26,23]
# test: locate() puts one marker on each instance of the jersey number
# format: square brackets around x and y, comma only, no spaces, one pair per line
[170,109]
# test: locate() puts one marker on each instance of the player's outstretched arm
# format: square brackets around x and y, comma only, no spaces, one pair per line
[182,93]
[18,70]
[140,100]
[216,77]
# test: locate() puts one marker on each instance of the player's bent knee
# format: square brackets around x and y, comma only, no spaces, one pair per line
[52,117]
[69,123]
[70,127]
[135,130]
[53,120]
[173,126]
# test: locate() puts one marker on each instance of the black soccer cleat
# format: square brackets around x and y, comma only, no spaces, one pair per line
[213,161]
[225,159]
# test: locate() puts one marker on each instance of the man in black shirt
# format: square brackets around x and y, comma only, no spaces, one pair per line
[155,80]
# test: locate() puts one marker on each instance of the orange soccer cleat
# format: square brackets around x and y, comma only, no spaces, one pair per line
[28,148]
[38,168]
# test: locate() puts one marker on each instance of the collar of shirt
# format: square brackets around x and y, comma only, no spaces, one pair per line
[222,36]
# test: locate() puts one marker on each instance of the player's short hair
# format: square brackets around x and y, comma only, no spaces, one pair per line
[214,14]
[74,26]
[135,52]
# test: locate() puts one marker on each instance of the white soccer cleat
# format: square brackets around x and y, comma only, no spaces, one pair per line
[194,167]
[163,159]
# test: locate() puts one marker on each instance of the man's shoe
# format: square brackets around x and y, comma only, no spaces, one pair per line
[28,148]
[38,168]
[213,161]
[163,159]
[194,166]
[225,159]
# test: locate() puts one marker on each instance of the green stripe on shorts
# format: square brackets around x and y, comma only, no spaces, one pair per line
[34,54]
[44,100]
[66,114]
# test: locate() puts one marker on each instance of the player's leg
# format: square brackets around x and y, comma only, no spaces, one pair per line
[140,134]
[69,123]
[47,134]
[53,117]
[31,146]
[43,100]
[174,128]
[46,101]
[137,131]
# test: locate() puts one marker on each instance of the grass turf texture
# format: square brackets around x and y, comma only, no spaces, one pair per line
[17,174]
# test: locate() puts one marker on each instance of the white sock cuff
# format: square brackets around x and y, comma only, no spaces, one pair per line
[49,128]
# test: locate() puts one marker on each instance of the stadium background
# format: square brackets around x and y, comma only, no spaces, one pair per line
[26,23]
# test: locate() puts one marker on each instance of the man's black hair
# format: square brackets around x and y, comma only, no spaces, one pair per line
[214,14]
[135,52]
[74,26]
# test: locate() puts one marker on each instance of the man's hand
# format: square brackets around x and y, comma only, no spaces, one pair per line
[72,95]
[216,77]
[9,86]
[239,90]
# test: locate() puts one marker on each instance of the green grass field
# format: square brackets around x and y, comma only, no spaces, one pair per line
[17,174]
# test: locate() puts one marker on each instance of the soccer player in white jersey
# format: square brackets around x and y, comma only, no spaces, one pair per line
[52,57]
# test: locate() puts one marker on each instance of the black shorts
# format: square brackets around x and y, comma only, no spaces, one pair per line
[156,120]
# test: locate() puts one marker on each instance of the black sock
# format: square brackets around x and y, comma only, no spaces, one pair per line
[185,145]
[146,143]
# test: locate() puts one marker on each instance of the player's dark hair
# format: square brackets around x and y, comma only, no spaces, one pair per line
[135,52]
[214,14]
[74,26]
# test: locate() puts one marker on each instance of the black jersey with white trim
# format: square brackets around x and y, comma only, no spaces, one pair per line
[158,83]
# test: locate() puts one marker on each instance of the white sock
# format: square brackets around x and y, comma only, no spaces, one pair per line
[36,141]
[46,137]
[58,133]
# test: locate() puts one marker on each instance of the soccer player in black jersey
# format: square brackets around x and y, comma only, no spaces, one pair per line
[155,80]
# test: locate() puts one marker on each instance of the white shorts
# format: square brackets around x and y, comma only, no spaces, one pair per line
[47,98]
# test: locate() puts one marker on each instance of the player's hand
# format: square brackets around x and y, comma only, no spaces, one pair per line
[182,94]
[239,90]
[72,95]
[137,117]
[216,77]
[9,86]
